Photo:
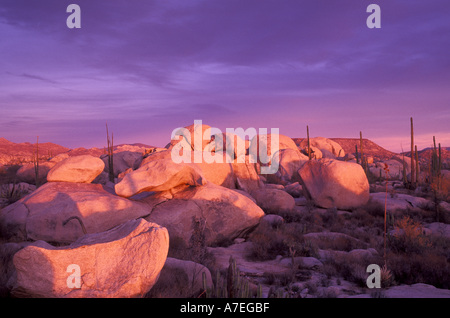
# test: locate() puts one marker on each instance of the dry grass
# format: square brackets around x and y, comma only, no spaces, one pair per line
[408,237]
[339,243]
[350,267]
[418,258]
[411,258]
[429,268]
[172,283]
[286,240]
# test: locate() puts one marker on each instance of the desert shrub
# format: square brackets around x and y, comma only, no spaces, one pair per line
[408,237]
[417,258]
[12,192]
[267,243]
[329,269]
[428,268]
[374,208]
[8,173]
[311,221]
[285,240]
[178,248]
[196,250]
[350,267]
[362,217]
[332,221]
[440,187]
[340,243]
[387,278]
[312,287]
[172,283]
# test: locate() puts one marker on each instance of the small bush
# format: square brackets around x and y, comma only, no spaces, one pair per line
[374,208]
[285,240]
[12,192]
[172,283]
[427,268]
[408,237]
[350,267]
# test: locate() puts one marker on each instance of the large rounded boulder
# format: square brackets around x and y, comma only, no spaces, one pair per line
[221,213]
[122,262]
[159,175]
[82,169]
[333,183]
[328,147]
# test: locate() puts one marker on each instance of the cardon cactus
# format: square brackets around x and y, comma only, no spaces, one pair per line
[234,286]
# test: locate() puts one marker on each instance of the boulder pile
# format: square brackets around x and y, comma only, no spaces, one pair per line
[117,233]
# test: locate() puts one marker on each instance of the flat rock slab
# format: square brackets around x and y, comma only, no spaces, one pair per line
[440,229]
[240,252]
[399,201]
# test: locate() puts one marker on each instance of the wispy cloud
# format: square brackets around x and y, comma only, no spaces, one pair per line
[34,77]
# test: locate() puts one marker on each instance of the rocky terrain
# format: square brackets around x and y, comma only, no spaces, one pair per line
[150,227]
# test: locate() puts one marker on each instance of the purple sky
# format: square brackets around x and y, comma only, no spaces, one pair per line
[147,67]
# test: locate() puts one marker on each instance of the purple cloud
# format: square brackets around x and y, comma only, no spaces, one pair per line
[148,67]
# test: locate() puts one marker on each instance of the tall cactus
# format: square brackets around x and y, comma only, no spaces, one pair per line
[436,162]
[435,175]
[259,293]
[417,166]
[361,147]
[110,149]
[309,145]
[412,155]
[364,163]
[234,286]
[36,163]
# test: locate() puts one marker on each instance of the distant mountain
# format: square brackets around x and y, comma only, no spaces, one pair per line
[18,153]
[430,148]
[369,147]
[21,153]
[426,154]
[381,154]
[4,141]
[137,144]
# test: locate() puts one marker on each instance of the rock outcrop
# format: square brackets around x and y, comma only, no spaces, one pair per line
[122,262]
[123,160]
[273,200]
[221,213]
[47,213]
[80,169]
[27,172]
[333,183]
[328,148]
[159,175]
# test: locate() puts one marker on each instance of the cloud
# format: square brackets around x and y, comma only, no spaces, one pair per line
[36,77]
[236,63]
